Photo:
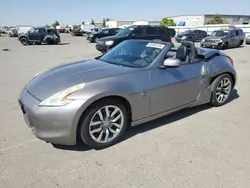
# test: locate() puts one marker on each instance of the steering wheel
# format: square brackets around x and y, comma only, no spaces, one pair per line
[148,59]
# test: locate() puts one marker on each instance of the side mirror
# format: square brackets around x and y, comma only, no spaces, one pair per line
[172,62]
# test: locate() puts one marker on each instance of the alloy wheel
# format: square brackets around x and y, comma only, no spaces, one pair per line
[223,90]
[106,124]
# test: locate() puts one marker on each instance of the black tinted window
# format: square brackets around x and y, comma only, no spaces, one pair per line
[42,30]
[161,31]
[138,32]
[151,31]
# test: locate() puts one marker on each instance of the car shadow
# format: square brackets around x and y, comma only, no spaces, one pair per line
[59,44]
[163,121]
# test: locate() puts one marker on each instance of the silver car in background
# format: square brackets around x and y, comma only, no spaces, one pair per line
[96,100]
[247,40]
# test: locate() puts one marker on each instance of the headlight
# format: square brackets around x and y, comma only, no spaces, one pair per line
[220,41]
[203,40]
[184,37]
[60,98]
[109,43]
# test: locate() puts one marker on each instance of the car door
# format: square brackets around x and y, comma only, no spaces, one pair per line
[201,35]
[33,34]
[42,32]
[194,36]
[232,39]
[175,87]
[238,37]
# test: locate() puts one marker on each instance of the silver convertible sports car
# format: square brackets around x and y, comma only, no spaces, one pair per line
[137,81]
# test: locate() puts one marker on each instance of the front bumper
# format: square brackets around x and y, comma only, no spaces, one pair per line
[212,45]
[178,39]
[57,125]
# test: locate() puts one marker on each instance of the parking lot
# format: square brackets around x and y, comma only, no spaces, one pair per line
[201,147]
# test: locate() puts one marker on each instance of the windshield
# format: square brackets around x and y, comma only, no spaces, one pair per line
[125,32]
[187,32]
[133,53]
[219,33]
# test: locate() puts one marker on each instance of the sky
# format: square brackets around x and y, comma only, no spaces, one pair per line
[42,12]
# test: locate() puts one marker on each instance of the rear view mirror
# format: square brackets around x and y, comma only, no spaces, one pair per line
[172,62]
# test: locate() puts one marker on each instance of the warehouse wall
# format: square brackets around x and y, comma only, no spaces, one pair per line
[189,20]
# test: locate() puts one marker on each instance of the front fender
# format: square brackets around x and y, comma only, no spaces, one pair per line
[126,86]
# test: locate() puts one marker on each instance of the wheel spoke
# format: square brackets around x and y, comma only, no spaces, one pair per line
[226,82]
[100,136]
[117,118]
[99,112]
[96,130]
[112,131]
[106,135]
[116,125]
[114,112]
[93,123]
[107,111]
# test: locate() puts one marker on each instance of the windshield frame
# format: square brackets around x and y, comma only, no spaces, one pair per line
[156,62]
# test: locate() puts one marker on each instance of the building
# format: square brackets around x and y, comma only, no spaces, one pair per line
[194,20]
[146,23]
[112,23]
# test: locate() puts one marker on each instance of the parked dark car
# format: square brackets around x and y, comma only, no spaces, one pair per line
[94,37]
[191,35]
[40,35]
[134,32]
[224,38]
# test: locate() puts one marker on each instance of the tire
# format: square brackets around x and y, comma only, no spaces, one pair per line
[24,41]
[225,46]
[241,42]
[91,139]
[217,99]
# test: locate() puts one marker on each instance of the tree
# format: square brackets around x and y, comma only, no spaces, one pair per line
[104,22]
[107,19]
[93,22]
[167,22]
[217,19]
[83,23]
[56,23]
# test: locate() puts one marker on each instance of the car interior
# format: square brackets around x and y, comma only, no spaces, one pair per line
[185,52]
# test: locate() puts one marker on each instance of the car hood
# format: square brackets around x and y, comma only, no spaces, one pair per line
[182,35]
[61,77]
[109,38]
[215,37]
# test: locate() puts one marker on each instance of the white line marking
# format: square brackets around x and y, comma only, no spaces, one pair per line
[19,145]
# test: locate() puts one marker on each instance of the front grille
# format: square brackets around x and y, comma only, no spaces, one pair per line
[210,41]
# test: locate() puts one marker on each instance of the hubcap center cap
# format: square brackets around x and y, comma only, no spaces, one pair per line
[106,123]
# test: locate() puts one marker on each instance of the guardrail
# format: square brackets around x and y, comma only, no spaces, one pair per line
[210,28]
